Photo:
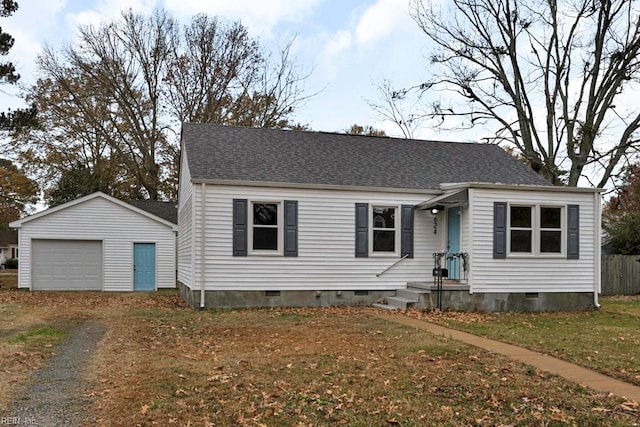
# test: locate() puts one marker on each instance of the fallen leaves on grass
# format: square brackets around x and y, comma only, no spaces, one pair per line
[307,366]
[442,317]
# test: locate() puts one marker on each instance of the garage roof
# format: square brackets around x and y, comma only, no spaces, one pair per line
[20,222]
[165,210]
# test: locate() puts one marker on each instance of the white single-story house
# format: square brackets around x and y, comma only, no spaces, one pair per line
[96,243]
[276,217]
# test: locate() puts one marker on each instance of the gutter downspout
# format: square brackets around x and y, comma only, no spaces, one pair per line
[597,249]
[202,236]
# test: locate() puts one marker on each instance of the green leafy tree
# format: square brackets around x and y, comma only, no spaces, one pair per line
[624,235]
[621,214]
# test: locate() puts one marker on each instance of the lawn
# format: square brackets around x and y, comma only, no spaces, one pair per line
[161,363]
[606,340]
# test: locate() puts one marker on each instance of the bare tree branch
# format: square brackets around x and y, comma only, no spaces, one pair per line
[547,73]
[111,102]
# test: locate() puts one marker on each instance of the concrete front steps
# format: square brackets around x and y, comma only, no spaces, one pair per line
[405,298]
[425,295]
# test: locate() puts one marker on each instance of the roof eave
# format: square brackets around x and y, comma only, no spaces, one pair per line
[521,187]
[241,183]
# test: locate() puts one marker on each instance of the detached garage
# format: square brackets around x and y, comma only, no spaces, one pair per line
[98,243]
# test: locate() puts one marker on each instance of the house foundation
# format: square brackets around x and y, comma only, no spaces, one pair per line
[252,299]
[452,299]
[497,302]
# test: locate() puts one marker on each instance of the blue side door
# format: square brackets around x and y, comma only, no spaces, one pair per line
[144,266]
[453,241]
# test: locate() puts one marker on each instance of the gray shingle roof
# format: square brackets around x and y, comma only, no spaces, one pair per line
[227,153]
[164,210]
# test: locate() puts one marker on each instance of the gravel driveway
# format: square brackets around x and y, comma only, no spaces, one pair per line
[57,394]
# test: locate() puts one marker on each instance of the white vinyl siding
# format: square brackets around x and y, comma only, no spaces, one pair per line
[185,222]
[185,187]
[540,273]
[326,243]
[117,227]
[185,236]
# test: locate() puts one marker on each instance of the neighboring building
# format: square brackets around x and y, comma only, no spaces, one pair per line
[97,243]
[272,217]
[8,245]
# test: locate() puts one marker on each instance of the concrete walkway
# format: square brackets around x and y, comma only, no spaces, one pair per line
[569,371]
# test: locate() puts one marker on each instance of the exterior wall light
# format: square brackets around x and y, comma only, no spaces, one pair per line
[435,211]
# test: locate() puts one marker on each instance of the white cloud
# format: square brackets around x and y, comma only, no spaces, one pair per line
[370,25]
[259,16]
[337,43]
[28,38]
[381,19]
[104,10]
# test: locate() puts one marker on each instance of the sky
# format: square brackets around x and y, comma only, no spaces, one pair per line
[349,46]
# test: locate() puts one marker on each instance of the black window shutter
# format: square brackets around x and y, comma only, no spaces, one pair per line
[290,228]
[499,230]
[573,231]
[362,230]
[407,231]
[239,227]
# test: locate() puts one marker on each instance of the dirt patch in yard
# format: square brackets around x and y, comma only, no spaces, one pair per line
[34,324]
[56,394]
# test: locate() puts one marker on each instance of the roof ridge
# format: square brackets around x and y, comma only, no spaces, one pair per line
[336,133]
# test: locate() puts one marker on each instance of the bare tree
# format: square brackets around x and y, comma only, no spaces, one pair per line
[114,99]
[208,71]
[75,134]
[367,130]
[222,75]
[106,88]
[277,93]
[399,107]
[550,74]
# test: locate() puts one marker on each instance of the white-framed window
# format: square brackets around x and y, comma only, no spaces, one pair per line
[384,230]
[521,229]
[536,230]
[551,233]
[265,227]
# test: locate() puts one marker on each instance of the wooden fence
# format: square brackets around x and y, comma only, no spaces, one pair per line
[620,274]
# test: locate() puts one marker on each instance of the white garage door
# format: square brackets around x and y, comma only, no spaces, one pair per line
[74,265]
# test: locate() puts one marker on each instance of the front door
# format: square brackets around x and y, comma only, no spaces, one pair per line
[144,266]
[453,242]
